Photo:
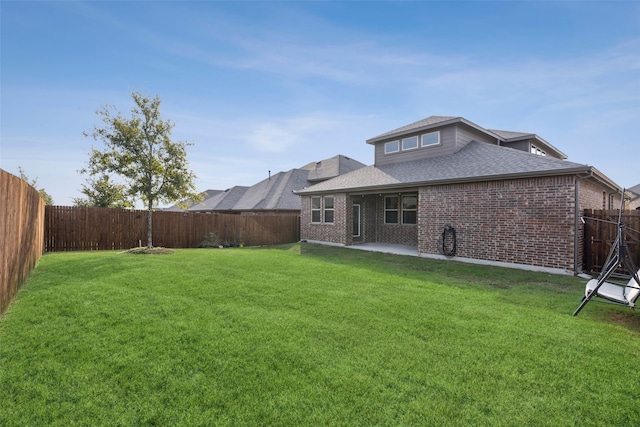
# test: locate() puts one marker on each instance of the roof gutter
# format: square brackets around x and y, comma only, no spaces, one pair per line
[404,185]
[605,180]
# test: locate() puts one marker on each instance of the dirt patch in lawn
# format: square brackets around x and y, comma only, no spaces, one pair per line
[146,251]
[629,320]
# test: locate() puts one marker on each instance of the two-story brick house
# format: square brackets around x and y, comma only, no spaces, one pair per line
[445,185]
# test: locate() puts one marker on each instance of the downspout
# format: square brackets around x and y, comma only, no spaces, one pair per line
[575,220]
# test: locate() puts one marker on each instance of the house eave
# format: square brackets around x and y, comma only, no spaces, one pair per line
[411,186]
[443,123]
[549,146]
[603,179]
[232,211]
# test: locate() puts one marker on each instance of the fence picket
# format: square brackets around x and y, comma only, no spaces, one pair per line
[21,234]
[599,236]
[82,228]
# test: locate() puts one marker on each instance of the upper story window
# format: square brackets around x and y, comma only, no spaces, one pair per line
[536,150]
[391,147]
[410,143]
[431,138]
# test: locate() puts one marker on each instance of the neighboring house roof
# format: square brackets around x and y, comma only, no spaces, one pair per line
[330,168]
[206,195]
[476,161]
[225,200]
[276,192]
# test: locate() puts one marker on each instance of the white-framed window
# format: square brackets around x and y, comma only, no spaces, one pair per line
[322,209]
[316,209]
[328,209]
[391,147]
[431,138]
[536,150]
[391,209]
[401,209]
[409,143]
[412,142]
[409,209]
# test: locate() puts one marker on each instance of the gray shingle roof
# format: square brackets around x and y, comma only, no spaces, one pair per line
[277,191]
[221,200]
[507,134]
[475,162]
[330,168]
[420,124]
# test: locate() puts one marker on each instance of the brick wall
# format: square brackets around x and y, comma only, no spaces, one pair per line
[592,196]
[369,206]
[337,232]
[523,221]
[397,234]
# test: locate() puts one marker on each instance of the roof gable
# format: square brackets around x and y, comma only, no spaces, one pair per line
[431,122]
[510,136]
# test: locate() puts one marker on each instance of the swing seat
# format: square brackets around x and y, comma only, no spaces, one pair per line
[625,295]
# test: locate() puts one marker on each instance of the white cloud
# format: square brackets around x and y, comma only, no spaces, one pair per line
[599,79]
[272,138]
[282,135]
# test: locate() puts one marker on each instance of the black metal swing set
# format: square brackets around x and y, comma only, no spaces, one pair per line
[608,291]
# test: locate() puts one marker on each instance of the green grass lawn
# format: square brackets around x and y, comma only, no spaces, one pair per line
[310,335]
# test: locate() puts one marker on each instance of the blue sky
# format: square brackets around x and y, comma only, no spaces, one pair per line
[260,86]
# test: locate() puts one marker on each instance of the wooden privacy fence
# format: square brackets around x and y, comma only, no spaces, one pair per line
[599,236]
[21,234]
[80,228]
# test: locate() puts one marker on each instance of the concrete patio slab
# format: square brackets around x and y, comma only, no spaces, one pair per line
[387,248]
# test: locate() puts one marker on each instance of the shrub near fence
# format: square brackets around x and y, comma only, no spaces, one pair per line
[21,234]
[81,228]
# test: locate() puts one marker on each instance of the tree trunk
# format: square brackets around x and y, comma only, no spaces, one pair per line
[149,227]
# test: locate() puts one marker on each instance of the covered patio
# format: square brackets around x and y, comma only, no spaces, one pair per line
[388,248]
